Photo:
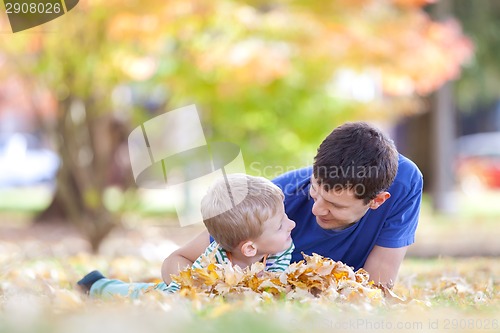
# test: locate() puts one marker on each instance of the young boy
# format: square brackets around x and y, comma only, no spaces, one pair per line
[245,216]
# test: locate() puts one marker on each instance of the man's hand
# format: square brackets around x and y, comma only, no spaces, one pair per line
[184,256]
[383,264]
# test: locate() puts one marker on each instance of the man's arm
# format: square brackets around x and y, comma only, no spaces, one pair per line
[184,256]
[383,264]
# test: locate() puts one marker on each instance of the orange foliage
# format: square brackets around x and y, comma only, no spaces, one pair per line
[231,41]
[312,277]
[412,3]
[237,43]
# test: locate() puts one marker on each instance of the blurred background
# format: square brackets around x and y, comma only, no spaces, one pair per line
[272,76]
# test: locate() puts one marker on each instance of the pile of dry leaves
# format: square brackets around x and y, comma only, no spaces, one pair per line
[315,276]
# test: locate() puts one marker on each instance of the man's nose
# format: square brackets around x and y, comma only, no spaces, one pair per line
[319,208]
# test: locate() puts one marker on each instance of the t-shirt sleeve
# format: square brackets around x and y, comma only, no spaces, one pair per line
[400,226]
[212,250]
[280,261]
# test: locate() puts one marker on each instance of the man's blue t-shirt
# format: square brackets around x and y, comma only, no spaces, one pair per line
[392,225]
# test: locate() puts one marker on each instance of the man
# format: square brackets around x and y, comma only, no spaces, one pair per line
[359,204]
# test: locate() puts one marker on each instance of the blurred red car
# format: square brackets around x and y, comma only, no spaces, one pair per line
[478,161]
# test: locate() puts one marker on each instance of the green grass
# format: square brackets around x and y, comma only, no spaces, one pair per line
[31,200]
[25,199]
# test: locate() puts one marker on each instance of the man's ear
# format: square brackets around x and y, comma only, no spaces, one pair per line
[248,249]
[379,200]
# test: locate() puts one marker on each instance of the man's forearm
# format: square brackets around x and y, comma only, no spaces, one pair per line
[383,264]
[385,276]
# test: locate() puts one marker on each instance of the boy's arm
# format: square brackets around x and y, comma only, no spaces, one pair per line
[184,256]
[280,261]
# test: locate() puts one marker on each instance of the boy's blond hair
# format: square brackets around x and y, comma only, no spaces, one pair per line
[231,224]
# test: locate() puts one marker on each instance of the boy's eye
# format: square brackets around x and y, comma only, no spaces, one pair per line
[281,226]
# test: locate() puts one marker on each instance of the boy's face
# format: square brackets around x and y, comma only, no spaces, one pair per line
[336,209]
[275,236]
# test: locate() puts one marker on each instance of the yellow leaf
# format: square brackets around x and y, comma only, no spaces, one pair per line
[183,278]
[208,276]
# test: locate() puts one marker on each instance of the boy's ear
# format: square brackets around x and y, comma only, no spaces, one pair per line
[248,249]
[379,200]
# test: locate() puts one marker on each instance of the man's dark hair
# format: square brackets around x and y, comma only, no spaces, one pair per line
[356,156]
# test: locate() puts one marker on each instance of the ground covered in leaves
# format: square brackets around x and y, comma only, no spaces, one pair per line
[40,266]
[37,294]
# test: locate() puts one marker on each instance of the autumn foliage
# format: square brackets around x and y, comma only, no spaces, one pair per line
[264,75]
[313,277]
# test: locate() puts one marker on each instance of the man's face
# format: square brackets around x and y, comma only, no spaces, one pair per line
[337,208]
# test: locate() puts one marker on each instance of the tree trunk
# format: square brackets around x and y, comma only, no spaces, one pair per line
[88,147]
